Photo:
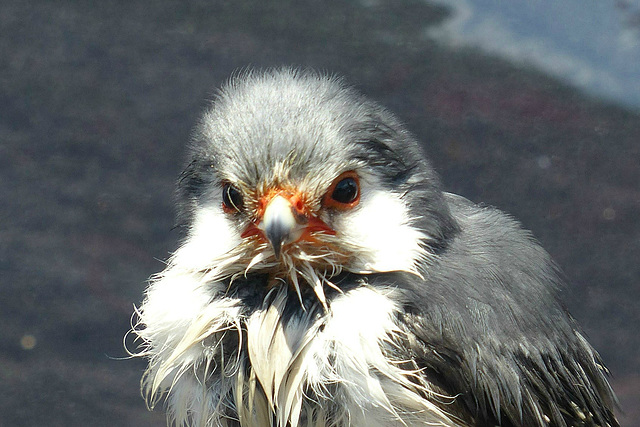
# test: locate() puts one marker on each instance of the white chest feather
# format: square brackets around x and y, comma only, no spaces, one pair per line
[221,364]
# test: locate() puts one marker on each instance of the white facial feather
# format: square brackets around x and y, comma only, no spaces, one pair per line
[381,228]
[211,236]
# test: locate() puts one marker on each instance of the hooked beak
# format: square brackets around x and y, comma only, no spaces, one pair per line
[279,224]
[285,221]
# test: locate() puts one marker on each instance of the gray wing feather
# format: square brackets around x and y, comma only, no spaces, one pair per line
[486,324]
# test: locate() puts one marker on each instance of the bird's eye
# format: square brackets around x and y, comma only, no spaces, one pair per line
[344,193]
[231,199]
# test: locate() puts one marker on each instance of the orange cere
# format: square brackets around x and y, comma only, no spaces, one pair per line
[300,210]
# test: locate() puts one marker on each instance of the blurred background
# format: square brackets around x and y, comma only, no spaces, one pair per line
[532,107]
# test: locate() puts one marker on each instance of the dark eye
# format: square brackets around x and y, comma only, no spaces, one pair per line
[231,199]
[344,193]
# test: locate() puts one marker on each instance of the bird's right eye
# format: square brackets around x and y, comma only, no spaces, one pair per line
[232,201]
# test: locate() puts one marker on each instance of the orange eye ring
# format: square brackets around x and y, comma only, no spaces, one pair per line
[344,192]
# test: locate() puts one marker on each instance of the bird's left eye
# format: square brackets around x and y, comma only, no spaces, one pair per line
[232,200]
[344,193]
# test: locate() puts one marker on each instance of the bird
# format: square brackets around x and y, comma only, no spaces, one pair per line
[324,277]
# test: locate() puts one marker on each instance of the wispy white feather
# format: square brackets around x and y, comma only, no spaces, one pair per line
[217,361]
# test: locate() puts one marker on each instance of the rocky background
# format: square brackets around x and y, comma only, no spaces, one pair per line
[97,100]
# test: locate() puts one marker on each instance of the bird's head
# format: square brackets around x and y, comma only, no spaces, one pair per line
[298,177]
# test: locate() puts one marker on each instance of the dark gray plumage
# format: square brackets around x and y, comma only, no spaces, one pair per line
[488,326]
[401,303]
